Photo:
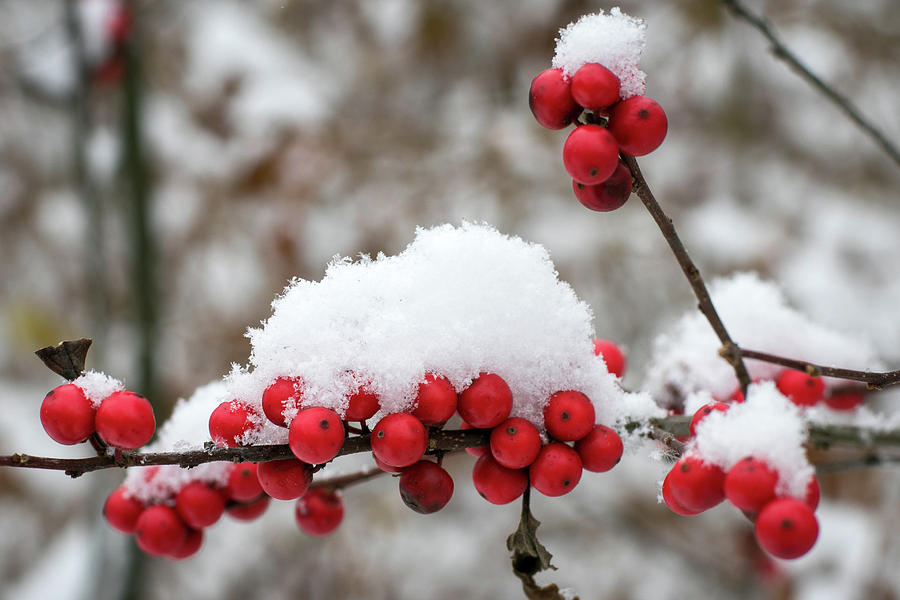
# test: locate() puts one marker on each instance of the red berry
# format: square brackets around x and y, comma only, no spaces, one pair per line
[399,440]
[477,451]
[386,467]
[607,195]
[284,479]
[590,154]
[595,87]
[190,546]
[122,510]
[737,396]
[497,484]
[319,511]
[569,416]
[674,505]
[844,400]
[426,487]
[159,531]
[800,388]
[199,505]
[282,394]
[750,484]
[486,403]
[229,422]
[316,435]
[362,405]
[786,528]
[611,353]
[697,485]
[125,420]
[435,401]
[248,511]
[600,450]
[704,412]
[812,493]
[556,470]
[243,484]
[67,415]
[550,99]
[638,125]
[515,443]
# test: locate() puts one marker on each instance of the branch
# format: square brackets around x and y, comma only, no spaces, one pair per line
[341,481]
[690,270]
[781,51]
[872,380]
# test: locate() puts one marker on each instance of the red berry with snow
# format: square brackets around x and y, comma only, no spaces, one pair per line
[595,87]
[600,450]
[284,479]
[159,530]
[674,505]
[363,404]
[436,400]
[122,510]
[569,416]
[243,484]
[248,511]
[786,528]
[497,484]
[316,435]
[125,420]
[319,511]
[556,470]
[399,440]
[800,388]
[705,411]
[844,400]
[590,154]
[487,402]
[515,443]
[477,451]
[695,484]
[638,124]
[190,546]
[426,487]
[550,99]
[282,394]
[229,422]
[612,354]
[750,484]
[199,505]
[608,195]
[67,415]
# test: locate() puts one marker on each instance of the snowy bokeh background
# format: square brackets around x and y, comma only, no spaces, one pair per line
[279,134]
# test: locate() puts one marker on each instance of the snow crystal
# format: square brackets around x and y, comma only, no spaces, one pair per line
[458,301]
[616,41]
[97,386]
[767,426]
[758,317]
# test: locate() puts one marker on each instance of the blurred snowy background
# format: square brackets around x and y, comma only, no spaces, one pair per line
[158,198]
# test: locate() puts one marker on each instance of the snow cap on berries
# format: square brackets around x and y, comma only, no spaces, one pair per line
[614,40]
[768,427]
[97,386]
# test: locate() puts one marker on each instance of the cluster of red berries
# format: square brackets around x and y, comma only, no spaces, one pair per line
[634,126]
[785,527]
[123,420]
[172,527]
[805,390]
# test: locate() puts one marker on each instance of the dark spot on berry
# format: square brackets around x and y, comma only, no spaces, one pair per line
[564,416]
[685,467]
[380,434]
[810,382]
[323,423]
[566,482]
[787,524]
[707,410]
[593,172]
[643,113]
[511,430]
[580,186]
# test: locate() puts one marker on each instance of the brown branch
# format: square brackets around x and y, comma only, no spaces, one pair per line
[440,441]
[872,380]
[341,481]
[690,270]
[781,51]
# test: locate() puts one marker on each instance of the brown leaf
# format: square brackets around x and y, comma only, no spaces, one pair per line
[67,358]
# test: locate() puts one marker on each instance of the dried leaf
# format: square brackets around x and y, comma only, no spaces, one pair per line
[67,358]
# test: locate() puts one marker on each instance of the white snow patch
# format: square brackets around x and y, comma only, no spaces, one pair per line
[98,386]
[614,40]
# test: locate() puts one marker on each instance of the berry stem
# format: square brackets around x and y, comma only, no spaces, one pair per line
[872,380]
[691,272]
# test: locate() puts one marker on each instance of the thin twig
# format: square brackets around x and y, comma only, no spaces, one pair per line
[342,481]
[690,270]
[872,380]
[781,51]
